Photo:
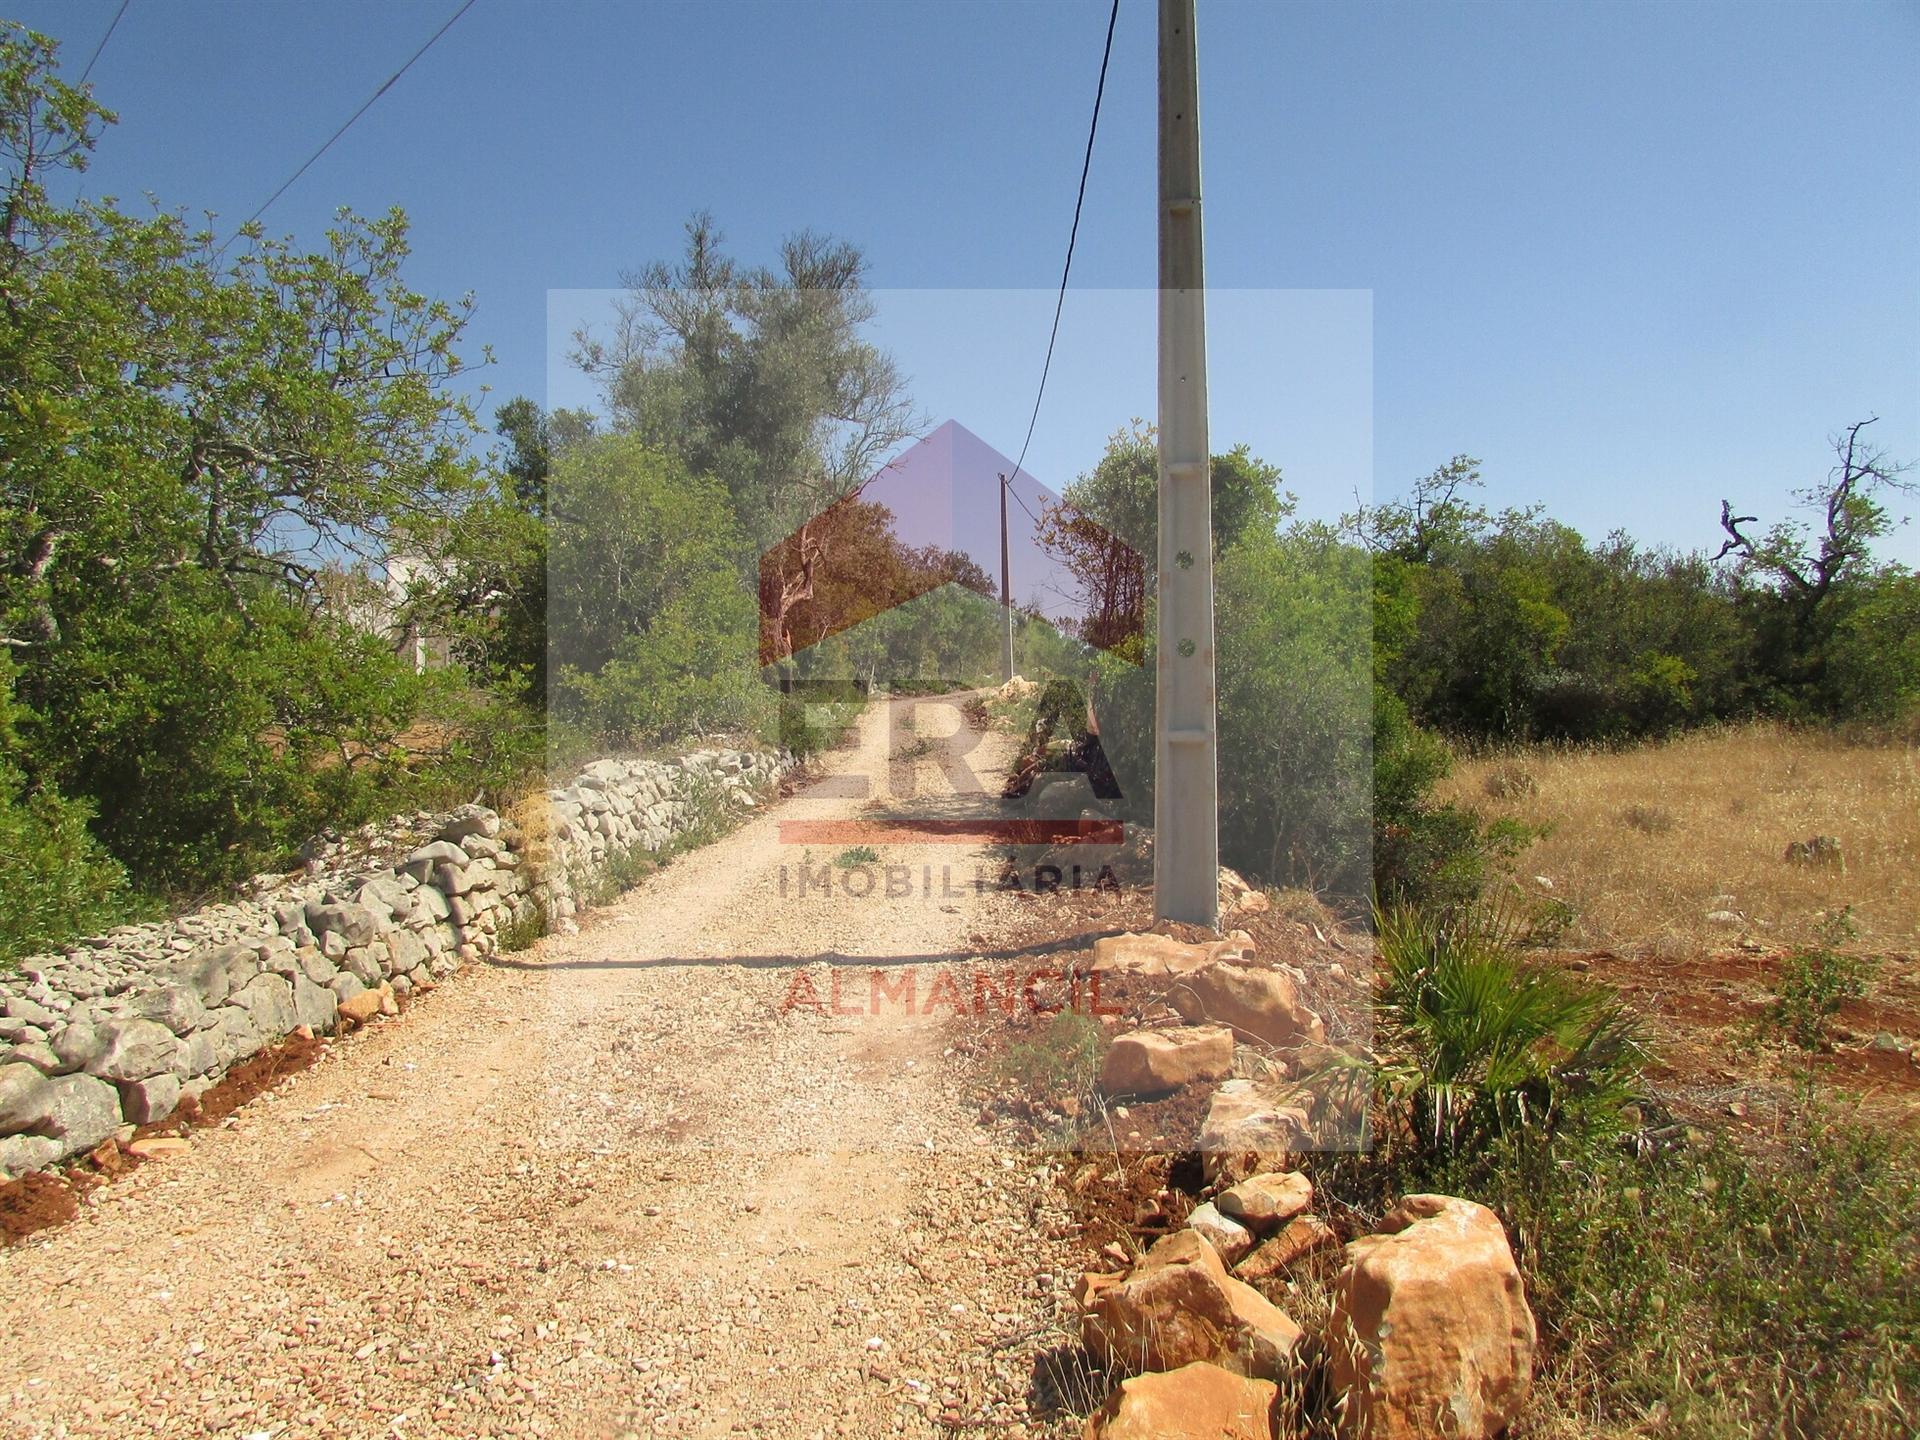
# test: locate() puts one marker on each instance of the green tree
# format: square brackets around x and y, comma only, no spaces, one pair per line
[193,451]
[650,631]
[758,376]
[1803,580]
[1122,494]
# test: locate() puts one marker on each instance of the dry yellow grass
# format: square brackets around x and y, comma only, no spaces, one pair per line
[533,813]
[1645,843]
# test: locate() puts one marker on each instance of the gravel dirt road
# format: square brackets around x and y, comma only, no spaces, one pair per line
[619,1184]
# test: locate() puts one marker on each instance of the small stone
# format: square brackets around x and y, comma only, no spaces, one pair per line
[1298,1238]
[1229,1238]
[1268,1201]
[159,1147]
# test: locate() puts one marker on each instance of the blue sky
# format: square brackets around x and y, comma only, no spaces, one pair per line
[1634,257]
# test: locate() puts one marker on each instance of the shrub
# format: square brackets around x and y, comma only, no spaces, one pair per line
[650,633]
[1427,854]
[1294,631]
[1061,1063]
[1707,1292]
[1510,782]
[1648,819]
[59,881]
[1493,1046]
[1816,980]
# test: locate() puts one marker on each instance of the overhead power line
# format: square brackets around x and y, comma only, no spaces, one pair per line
[385,86]
[112,25]
[1059,303]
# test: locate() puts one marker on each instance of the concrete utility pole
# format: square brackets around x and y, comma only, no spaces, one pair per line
[1006,592]
[1186,804]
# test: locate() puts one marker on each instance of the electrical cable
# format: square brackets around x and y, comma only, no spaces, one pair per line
[112,25]
[1059,303]
[385,86]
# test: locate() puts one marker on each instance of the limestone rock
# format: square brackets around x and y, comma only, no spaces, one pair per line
[314,1005]
[176,1006]
[136,1049]
[1268,1201]
[215,973]
[25,1097]
[470,820]
[145,1101]
[312,964]
[1131,954]
[23,1154]
[83,1111]
[1153,1062]
[1298,1238]
[1195,1402]
[1430,1319]
[355,924]
[203,1054]
[1229,1238]
[236,1036]
[406,949]
[1249,1129]
[78,1044]
[1180,1305]
[269,1000]
[36,1053]
[1258,1004]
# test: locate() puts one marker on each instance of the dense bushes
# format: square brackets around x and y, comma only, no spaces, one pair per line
[59,879]
[1513,627]
[650,632]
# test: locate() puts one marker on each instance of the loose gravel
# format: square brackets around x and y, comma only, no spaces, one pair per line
[617,1185]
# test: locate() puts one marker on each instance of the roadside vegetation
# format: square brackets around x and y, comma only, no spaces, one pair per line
[1686,1282]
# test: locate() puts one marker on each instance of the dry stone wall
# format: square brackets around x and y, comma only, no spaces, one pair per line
[117,1030]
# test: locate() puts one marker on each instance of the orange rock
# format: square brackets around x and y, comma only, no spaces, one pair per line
[1131,954]
[1152,1062]
[1195,1402]
[1298,1238]
[1430,1320]
[1249,1129]
[1090,1285]
[361,1008]
[159,1147]
[1267,1201]
[1258,1004]
[1178,1306]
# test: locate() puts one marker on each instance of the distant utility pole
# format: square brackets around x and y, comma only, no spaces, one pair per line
[1186,804]
[1006,592]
